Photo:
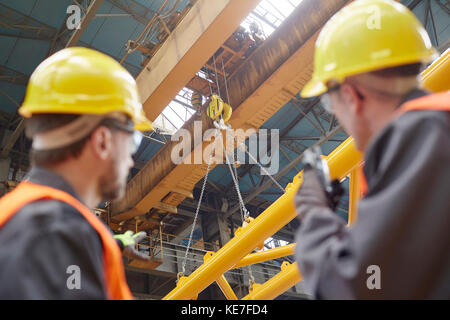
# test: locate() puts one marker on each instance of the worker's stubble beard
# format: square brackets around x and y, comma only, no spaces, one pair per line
[112,184]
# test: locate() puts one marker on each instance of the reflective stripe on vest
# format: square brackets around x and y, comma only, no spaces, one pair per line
[437,102]
[113,271]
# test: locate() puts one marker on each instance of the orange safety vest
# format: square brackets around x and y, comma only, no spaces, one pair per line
[437,101]
[113,271]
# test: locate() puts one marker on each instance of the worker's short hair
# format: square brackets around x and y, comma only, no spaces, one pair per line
[407,70]
[40,123]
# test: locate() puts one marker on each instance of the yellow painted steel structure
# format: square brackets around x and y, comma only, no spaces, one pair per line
[290,274]
[221,281]
[354,195]
[270,254]
[341,161]
[226,288]
[436,77]
[287,278]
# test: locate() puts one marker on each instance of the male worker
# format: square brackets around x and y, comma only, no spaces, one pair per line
[367,61]
[82,109]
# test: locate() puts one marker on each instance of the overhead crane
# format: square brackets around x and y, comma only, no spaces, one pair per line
[268,79]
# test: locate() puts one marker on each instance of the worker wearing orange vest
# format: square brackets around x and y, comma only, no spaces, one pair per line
[83,110]
[366,69]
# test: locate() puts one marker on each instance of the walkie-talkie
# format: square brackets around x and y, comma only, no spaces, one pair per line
[333,188]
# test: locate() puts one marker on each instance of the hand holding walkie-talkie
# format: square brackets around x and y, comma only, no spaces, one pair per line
[332,188]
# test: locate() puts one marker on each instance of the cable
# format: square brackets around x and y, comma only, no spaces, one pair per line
[199,202]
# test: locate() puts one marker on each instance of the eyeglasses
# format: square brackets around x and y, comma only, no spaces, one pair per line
[326,100]
[137,136]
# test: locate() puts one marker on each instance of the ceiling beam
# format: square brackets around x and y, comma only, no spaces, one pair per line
[28,37]
[195,39]
[9,144]
[13,76]
[23,25]
[135,10]
[12,139]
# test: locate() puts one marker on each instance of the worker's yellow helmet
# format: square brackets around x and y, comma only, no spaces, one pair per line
[83,81]
[365,36]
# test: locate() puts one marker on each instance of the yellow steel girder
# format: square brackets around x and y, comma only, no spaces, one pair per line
[341,161]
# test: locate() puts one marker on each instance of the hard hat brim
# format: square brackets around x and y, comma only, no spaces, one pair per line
[145,125]
[141,124]
[313,88]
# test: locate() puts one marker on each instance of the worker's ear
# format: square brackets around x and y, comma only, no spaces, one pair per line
[351,98]
[102,143]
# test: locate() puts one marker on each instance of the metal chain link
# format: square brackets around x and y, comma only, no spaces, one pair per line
[243,209]
[199,202]
[244,212]
[240,206]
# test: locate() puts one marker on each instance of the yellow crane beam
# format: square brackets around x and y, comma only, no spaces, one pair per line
[288,277]
[226,288]
[341,161]
[436,77]
[186,50]
[266,255]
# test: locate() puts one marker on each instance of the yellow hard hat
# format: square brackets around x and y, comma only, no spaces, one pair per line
[83,81]
[365,36]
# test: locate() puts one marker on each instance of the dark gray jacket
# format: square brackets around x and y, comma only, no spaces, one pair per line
[403,225]
[39,244]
